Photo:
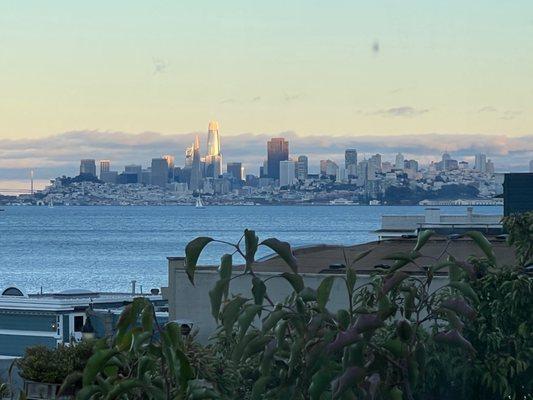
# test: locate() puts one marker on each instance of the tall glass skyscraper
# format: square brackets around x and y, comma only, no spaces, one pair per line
[277,151]
[213,158]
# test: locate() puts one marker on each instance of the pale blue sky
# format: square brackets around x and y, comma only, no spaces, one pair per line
[313,67]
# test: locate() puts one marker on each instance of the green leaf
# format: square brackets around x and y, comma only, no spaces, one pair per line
[96,364]
[483,244]
[259,388]
[272,319]
[295,280]
[283,249]
[320,382]
[226,265]
[258,290]
[231,312]
[423,237]
[351,279]
[215,296]
[350,378]
[465,289]
[323,292]
[247,316]
[147,318]
[192,253]
[250,245]
[308,294]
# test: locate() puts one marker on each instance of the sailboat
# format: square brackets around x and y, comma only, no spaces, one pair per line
[199,204]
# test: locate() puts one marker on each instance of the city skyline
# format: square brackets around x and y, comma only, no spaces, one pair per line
[58,155]
[342,69]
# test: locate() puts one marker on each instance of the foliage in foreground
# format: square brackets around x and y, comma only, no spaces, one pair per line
[396,339]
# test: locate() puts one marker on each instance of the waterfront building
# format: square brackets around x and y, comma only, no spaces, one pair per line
[399,164]
[277,151]
[350,159]
[104,167]
[88,167]
[236,170]
[480,162]
[196,173]
[302,168]
[54,319]
[159,172]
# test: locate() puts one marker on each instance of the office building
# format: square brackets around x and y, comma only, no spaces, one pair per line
[489,167]
[159,172]
[213,158]
[302,168]
[277,151]
[375,160]
[104,167]
[236,170]
[480,162]
[88,167]
[341,175]
[399,164]
[287,173]
[350,158]
[189,152]
[196,173]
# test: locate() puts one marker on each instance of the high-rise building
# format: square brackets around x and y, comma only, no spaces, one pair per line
[277,151]
[463,165]
[302,168]
[236,170]
[411,165]
[328,168]
[104,167]
[213,158]
[134,170]
[287,173]
[341,175]
[399,161]
[376,161]
[196,173]
[489,167]
[531,166]
[189,152]
[350,158]
[88,167]
[159,172]
[480,163]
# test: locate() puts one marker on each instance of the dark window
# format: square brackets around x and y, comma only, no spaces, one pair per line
[78,323]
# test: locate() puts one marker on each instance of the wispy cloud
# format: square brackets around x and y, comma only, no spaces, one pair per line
[402,111]
[60,154]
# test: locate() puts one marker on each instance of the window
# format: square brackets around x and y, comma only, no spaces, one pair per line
[78,323]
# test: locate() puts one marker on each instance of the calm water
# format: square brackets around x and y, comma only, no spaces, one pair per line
[104,248]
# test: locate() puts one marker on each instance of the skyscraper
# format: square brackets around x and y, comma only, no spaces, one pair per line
[170,162]
[302,168]
[213,158]
[196,173]
[104,167]
[489,167]
[277,151]
[376,161]
[88,167]
[159,172]
[235,169]
[480,163]
[350,159]
[287,173]
[399,161]
[189,152]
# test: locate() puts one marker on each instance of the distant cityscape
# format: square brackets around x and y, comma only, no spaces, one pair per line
[283,179]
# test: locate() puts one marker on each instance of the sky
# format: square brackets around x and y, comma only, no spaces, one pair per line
[338,69]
